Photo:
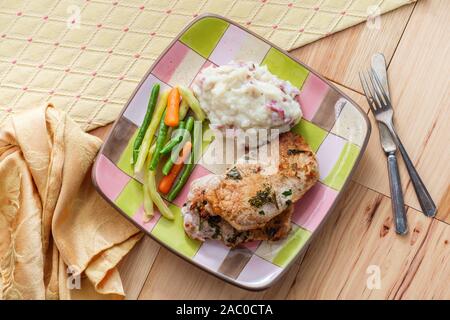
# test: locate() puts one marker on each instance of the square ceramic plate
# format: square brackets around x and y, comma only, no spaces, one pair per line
[334,126]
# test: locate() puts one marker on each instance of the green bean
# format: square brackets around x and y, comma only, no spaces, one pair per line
[148,138]
[187,170]
[146,122]
[188,95]
[189,125]
[175,140]
[183,179]
[185,136]
[162,134]
[148,202]
[151,150]
[156,197]
[184,108]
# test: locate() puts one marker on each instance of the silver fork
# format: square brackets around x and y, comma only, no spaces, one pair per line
[389,147]
[382,108]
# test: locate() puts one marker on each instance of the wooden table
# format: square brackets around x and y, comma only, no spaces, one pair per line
[358,239]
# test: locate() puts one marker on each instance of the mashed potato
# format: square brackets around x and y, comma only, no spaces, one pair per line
[245,95]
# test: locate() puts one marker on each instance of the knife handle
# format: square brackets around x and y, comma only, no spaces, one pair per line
[398,204]
[425,200]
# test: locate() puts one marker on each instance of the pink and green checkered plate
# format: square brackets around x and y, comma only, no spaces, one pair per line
[333,125]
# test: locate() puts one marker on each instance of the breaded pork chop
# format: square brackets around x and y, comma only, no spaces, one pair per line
[249,196]
[214,227]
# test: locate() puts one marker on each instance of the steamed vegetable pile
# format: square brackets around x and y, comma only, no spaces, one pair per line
[174,148]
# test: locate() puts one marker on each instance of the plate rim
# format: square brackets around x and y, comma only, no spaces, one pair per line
[329,211]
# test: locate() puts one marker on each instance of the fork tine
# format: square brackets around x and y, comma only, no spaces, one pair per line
[373,92]
[377,95]
[367,92]
[364,85]
[380,86]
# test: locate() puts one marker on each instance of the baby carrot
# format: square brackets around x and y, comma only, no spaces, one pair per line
[167,181]
[172,117]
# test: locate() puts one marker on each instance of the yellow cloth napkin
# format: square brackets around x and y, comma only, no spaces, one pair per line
[88,56]
[53,225]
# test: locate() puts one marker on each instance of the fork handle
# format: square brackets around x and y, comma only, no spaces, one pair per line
[425,200]
[398,204]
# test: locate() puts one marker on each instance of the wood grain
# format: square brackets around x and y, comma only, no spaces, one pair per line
[135,268]
[429,273]
[359,236]
[340,56]
[420,82]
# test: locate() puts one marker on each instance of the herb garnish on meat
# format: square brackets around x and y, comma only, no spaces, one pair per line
[263,197]
[292,152]
[213,222]
[287,193]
